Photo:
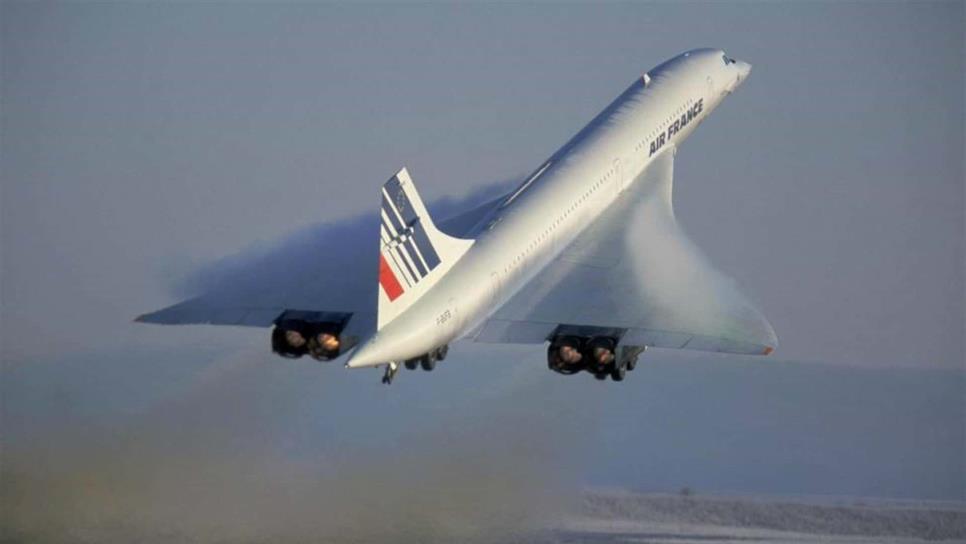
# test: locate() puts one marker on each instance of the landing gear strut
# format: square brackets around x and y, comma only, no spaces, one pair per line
[629,355]
[618,372]
[391,370]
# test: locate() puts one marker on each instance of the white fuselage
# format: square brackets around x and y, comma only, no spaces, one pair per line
[559,200]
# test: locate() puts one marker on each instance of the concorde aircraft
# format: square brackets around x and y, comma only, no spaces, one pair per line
[585,256]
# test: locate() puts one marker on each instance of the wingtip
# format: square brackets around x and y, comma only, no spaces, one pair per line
[149,318]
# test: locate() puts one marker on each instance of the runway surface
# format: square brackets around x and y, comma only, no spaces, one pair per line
[629,518]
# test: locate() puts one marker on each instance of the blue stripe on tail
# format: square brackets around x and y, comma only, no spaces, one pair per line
[425,247]
[393,218]
[411,248]
[399,200]
[402,258]
[410,233]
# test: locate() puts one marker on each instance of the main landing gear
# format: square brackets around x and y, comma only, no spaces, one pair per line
[426,361]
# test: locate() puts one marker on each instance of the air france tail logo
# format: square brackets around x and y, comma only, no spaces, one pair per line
[676,126]
[407,254]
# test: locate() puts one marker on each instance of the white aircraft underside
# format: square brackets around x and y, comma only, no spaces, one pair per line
[586,254]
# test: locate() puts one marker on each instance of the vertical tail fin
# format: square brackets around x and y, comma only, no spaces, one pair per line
[413,254]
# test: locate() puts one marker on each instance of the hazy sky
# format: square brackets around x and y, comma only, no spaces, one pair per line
[143,141]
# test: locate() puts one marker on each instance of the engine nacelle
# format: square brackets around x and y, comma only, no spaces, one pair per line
[309,333]
[594,349]
[599,351]
[565,355]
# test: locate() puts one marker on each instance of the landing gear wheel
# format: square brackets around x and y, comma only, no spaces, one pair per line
[428,361]
[411,364]
[618,372]
[631,363]
[601,375]
[441,352]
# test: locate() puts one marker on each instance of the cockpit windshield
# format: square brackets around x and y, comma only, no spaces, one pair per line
[727,60]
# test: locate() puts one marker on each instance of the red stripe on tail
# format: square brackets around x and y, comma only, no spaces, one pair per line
[388,280]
